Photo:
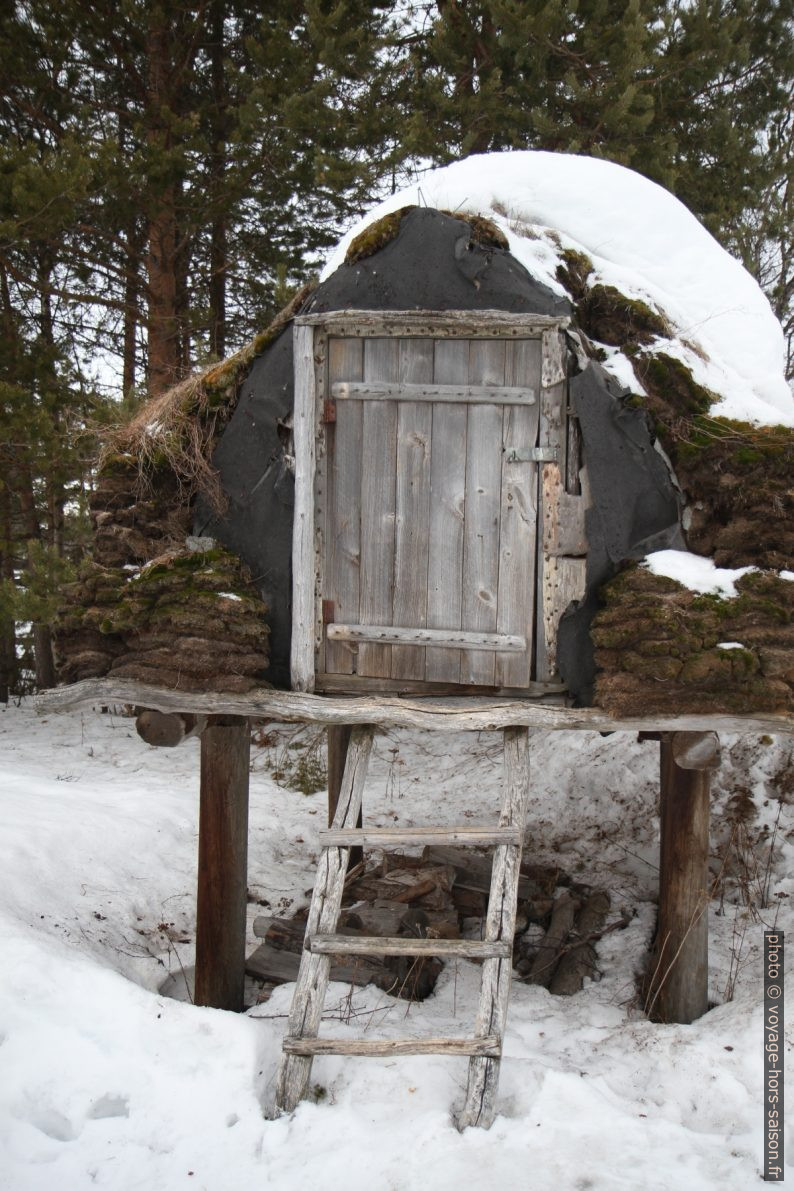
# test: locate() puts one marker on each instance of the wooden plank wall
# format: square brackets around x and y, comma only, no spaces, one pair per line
[400,477]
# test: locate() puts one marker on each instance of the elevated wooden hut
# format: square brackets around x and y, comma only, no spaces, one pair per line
[419,498]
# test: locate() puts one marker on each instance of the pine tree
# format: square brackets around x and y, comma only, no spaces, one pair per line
[695,94]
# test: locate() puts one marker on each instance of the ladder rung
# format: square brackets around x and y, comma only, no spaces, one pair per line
[490,1046]
[460,836]
[328,944]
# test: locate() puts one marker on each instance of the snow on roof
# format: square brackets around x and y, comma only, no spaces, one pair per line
[641,240]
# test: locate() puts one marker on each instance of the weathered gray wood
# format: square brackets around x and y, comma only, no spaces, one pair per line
[580,960]
[222,863]
[696,750]
[277,966]
[343,501]
[549,692]
[552,434]
[378,494]
[412,504]
[307,1003]
[440,638]
[564,525]
[500,394]
[337,744]
[480,1105]
[554,358]
[573,457]
[384,1048]
[518,521]
[167,730]
[475,872]
[471,323]
[677,988]
[303,544]
[456,714]
[332,944]
[447,508]
[483,501]
[413,836]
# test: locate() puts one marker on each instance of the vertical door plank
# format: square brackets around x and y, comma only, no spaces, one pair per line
[343,524]
[412,507]
[483,499]
[379,428]
[553,433]
[447,506]
[519,516]
[303,535]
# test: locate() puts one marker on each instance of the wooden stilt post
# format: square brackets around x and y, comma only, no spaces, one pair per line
[222,863]
[338,736]
[677,988]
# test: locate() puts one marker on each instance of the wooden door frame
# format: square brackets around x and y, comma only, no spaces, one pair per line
[310,342]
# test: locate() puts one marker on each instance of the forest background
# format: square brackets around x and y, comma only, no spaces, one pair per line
[171,173]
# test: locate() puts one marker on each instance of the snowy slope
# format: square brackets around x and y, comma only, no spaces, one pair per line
[106,1083]
[641,240]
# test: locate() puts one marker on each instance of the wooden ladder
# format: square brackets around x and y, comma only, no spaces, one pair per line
[301,1043]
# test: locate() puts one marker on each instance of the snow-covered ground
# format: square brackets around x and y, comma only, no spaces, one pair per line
[105,1082]
[641,240]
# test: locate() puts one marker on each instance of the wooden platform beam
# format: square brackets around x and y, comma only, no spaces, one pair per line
[677,988]
[454,714]
[222,863]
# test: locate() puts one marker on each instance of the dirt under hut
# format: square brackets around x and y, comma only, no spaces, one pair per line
[534,424]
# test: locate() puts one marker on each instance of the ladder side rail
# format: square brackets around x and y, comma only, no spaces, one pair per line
[480,1104]
[312,982]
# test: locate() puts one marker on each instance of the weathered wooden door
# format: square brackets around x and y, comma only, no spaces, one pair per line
[430,441]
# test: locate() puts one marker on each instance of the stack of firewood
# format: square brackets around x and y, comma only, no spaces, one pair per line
[444,894]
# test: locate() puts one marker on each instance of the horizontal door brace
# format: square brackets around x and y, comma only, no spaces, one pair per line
[532,454]
[471,394]
[382,634]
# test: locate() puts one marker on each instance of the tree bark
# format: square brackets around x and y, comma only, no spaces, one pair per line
[162,232]
[677,989]
[218,248]
[8,667]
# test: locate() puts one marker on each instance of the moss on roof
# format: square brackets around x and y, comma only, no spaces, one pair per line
[382,231]
[658,642]
[176,432]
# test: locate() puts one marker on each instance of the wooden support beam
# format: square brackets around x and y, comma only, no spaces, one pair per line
[338,739]
[457,714]
[222,863]
[677,988]
[168,729]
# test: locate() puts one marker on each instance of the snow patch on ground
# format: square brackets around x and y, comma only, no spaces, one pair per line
[695,572]
[641,240]
[104,1082]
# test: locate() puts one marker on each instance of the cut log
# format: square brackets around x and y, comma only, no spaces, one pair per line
[474,872]
[580,960]
[276,966]
[167,730]
[547,958]
[696,750]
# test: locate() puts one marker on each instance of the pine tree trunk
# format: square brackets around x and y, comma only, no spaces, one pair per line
[162,232]
[130,346]
[217,282]
[8,652]
[42,637]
